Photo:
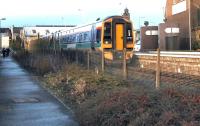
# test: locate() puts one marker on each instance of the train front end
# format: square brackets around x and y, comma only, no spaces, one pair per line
[117,36]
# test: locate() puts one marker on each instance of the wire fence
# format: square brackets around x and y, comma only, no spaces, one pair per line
[154,71]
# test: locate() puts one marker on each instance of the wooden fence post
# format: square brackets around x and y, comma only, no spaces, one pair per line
[102,61]
[76,56]
[158,69]
[88,59]
[124,64]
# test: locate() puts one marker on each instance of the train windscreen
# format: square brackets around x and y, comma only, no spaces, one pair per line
[107,33]
[129,36]
[98,35]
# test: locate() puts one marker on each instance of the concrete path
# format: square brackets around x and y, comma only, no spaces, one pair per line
[23,102]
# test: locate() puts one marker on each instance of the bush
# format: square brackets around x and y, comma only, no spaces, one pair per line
[103,100]
[196,45]
[16,44]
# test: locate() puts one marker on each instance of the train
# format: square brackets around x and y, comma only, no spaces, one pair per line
[113,34]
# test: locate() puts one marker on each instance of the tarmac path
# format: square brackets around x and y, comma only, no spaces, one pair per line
[23,102]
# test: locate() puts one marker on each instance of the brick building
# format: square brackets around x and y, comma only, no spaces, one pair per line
[182,22]
[149,38]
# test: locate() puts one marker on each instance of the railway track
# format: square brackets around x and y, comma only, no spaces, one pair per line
[170,54]
[143,75]
[147,77]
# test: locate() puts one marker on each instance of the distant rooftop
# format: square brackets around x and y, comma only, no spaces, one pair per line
[4,30]
[17,29]
[55,25]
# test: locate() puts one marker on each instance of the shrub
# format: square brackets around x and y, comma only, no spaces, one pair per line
[196,45]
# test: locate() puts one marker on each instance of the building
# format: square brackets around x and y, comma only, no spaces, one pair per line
[126,14]
[181,30]
[149,38]
[30,35]
[15,32]
[5,36]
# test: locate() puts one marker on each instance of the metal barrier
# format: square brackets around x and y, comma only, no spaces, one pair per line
[152,70]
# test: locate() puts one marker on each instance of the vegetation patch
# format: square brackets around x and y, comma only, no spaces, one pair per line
[106,100]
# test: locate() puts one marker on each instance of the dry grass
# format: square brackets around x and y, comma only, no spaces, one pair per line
[106,100]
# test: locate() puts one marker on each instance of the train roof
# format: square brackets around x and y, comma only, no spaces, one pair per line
[114,16]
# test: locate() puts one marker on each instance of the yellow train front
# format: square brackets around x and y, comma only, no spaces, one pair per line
[117,35]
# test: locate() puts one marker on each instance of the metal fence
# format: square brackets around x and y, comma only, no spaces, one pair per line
[152,72]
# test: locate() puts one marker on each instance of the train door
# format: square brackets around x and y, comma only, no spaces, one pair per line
[119,36]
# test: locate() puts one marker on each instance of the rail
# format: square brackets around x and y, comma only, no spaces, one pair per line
[170,54]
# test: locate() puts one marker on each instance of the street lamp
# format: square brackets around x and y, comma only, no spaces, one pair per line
[190,29]
[1,19]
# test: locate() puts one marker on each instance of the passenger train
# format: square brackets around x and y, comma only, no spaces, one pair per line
[114,33]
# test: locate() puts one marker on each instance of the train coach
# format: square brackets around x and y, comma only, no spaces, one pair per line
[113,34]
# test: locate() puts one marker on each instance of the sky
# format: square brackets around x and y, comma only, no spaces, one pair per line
[77,12]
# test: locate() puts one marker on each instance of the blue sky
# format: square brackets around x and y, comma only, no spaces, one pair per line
[77,12]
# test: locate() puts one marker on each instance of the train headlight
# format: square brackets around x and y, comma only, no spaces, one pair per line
[107,42]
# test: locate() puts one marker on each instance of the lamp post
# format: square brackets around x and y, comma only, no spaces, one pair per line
[1,19]
[190,29]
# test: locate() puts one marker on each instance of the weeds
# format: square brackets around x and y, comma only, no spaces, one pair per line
[104,100]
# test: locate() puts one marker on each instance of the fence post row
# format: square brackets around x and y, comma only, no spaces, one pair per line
[158,69]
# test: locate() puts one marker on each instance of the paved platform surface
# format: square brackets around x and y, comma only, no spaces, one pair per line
[23,102]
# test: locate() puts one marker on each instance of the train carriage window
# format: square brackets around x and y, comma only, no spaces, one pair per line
[85,36]
[68,39]
[107,32]
[63,39]
[34,31]
[80,38]
[98,35]
[74,38]
[129,36]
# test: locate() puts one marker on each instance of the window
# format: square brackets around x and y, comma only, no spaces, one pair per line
[34,31]
[73,38]
[98,35]
[47,32]
[107,32]
[151,32]
[177,1]
[85,36]
[80,37]
[129,36]
[172,30]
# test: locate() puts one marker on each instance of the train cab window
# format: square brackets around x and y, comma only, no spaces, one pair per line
[98,35]
[107,32]
[129,36]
